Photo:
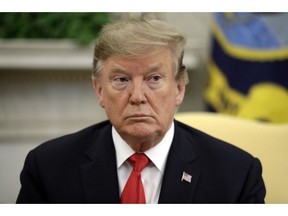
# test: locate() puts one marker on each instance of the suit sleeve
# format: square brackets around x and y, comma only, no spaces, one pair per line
[31,188]
[254,189]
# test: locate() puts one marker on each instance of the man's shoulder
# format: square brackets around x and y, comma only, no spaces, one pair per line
[81,139]
[206,144]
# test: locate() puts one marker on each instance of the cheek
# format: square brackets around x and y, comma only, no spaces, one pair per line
[114,102]
[165,102]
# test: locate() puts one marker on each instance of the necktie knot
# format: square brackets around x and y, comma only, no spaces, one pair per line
[139,161]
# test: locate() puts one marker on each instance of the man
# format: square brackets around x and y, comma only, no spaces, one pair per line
[139,80]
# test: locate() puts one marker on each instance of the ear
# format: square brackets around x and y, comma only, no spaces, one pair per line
[99,91]
[180,92]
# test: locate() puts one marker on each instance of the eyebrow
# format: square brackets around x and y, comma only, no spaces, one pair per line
[119,69]
[154,67]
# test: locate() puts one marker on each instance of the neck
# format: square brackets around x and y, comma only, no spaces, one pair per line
[142,145]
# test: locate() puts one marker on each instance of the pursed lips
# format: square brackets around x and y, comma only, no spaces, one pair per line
[139,116]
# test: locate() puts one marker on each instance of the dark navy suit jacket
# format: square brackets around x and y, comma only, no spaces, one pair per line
[81,168]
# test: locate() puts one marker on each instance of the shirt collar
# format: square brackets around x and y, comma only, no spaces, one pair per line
[158,154]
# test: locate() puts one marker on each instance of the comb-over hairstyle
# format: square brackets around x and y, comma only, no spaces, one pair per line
[139,38]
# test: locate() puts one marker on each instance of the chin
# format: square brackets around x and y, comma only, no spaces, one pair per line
[140,130]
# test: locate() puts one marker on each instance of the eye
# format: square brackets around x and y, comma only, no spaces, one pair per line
[154,78]
[120,79]
[155,81]
[119,82]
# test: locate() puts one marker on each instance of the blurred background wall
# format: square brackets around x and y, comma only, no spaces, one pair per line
[46,90]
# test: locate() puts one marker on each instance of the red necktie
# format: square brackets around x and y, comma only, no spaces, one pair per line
[133,191]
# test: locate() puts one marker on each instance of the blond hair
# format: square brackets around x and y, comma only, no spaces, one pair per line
[139,38]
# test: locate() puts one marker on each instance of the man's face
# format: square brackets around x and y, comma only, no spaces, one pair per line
[140,97]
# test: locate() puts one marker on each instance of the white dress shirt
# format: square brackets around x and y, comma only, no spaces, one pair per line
[153,173]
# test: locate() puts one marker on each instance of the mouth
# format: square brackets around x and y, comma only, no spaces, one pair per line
[139,117]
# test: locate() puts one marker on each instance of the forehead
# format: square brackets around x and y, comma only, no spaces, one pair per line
[162,59]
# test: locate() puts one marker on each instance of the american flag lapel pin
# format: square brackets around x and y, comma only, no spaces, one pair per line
[186,177]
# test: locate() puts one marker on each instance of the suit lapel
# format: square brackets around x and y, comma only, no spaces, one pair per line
[181,159]
[100,174]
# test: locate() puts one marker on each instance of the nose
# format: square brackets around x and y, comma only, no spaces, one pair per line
[137,93]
